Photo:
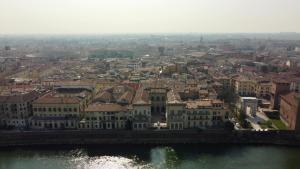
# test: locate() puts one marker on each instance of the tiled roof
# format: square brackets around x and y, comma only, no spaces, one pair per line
[104,96]
[51,98]
[127,96]
[202,103]
[18,98]
[141,97]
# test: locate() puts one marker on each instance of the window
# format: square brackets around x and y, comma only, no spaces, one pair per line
[75,109]
[49,109]
[157,109]
[157,98]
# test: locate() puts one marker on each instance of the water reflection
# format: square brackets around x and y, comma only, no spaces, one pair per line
[147,157]
[81,160]
[163,157]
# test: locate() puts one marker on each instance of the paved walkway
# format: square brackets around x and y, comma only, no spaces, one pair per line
[260,117]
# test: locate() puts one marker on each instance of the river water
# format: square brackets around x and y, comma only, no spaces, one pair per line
[148,157]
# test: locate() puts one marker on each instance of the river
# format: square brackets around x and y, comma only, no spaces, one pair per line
[144,157]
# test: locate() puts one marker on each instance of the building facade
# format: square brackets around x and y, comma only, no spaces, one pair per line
[16,108]
[290,110]
[106,116]
[52,111]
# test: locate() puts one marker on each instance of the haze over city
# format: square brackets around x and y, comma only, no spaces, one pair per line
[149,84]
[148,16]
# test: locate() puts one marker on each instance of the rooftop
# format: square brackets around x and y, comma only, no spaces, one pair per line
[52,98]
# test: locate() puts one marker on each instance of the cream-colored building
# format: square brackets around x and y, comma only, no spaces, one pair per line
[244,86]
[205,113]
[52,111]
[106,116]
[141,114]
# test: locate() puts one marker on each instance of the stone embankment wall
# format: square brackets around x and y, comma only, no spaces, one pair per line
[91,137]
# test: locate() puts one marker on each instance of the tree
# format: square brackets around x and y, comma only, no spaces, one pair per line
[242,119]
[228,96]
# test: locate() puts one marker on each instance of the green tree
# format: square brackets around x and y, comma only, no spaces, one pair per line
[242,119]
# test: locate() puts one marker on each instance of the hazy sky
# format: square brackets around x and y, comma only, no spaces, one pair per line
[148,16]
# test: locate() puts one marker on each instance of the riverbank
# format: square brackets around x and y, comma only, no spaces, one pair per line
[98,137]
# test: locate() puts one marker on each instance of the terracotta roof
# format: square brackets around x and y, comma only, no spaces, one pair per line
[286,77]
[24,97]
[51,98]
[141,97]
[202,103]
[104,96]
[198,104]
[127,96]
